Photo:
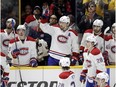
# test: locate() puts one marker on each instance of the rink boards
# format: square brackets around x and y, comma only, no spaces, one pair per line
[46,76]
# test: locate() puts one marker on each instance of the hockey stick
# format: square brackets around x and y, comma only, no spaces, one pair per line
[17,55]
[105,31]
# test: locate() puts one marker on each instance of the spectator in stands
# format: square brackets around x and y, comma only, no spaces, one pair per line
[45,10]
[72,23]
[60,8]
[87,20]
[31,20]
[27,12]
[53,20]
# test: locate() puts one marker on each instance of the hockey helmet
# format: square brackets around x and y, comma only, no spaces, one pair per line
[103,75]
[10,20]
[64,62]
[98,22]
[92,38]
[114,25]
[21,27]
[65,19]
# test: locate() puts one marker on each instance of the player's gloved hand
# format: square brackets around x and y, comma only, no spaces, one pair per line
[106,58]
[5,81]
[74,58]
[83,76]
[15,53]
[33,62]
[81,59]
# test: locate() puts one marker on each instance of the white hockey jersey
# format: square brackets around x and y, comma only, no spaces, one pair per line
[4,65]
[110,47]
[99,38]
[5,38]
[27,50]
[63,42]
[93,62]
[67,79]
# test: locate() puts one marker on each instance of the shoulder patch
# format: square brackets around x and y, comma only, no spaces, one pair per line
[74,32]
[29,19]
[88,31]
[108,37]
[2,54]
[65,75]
[14,40]
[30,39]
[2,30]
[95,51]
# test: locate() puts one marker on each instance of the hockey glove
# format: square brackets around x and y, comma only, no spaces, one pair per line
[83,76]
[81,59]
[15,53]
[33,62]
[106,59]
[5,81]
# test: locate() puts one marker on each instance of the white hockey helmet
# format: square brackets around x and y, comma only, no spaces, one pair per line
[103,75]
[98,22]
[114,25]
[64,62]
[92,38]
[65,19]
[21,27]
[10,20]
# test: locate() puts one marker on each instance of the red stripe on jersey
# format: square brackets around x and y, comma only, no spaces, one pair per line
[14,40]
[30,39]
[108,37]
[82,48]
[65,75]
[101,35]
[95,51]
[29,19]
[5,74]
[98,71]
[2,54]
[75,32]
[88,31]
[2,30]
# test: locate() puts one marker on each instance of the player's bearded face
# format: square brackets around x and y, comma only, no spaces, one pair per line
[96,29]
[63,26]
[100,82]
[8,25]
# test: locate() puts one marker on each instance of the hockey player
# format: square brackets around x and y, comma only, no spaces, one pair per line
[102,79]
[93,62]
[64,41]
[23,49]
[6,35]
[96,31]
[66,77]
[4,70]
[110,42]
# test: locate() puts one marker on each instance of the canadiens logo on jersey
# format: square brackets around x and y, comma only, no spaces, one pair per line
[62,39]
[5,42]
[24,51]
[113,49]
